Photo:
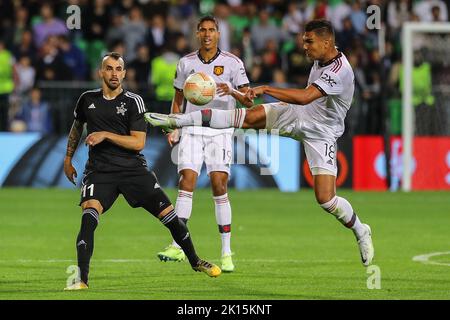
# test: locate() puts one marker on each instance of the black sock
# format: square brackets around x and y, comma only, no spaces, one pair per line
[85,241]
[180,234]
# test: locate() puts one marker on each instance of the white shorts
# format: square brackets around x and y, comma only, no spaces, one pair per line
[216,151]
[320,152]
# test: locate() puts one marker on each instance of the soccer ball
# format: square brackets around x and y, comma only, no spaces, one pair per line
[199,88]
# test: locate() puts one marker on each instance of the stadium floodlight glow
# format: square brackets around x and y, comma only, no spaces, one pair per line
[409,29]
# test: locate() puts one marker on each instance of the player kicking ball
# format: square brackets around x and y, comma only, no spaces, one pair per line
[116,135]
[314,115]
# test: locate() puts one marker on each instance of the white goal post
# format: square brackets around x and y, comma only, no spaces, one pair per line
[409,30]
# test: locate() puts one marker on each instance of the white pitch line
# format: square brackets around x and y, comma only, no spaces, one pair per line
[425,258]
[152,260]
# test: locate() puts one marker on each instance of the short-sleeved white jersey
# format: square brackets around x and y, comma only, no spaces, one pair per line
[223,67]
[325,116]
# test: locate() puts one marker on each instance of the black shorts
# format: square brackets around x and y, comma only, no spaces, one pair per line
[140,189]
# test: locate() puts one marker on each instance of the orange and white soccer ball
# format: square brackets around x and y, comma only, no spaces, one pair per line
[199,88]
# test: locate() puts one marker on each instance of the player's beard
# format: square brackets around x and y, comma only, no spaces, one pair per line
[112,85]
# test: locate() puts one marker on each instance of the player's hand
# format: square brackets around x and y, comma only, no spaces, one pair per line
[223,89]
[252,93]
[95,138]
[69,170]
[173,137]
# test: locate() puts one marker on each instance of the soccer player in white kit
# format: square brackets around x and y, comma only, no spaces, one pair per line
[209,145]
[314,115]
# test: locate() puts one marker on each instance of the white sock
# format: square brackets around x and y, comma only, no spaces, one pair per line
[218,119]
[189,119]
[223,219]
[343,211]
[221,119]
[183,207]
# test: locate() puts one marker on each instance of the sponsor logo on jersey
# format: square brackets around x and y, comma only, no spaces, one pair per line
[92,106]
[218,70]
[156,185]
[327,78]
[121,110]
[191,72]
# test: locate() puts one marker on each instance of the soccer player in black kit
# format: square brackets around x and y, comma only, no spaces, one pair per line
[116,135]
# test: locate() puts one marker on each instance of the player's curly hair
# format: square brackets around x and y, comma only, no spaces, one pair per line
[208,18]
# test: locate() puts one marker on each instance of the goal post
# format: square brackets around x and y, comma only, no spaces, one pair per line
[410,31]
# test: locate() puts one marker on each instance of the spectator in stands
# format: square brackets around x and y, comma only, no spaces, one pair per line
[115,31]
[95,20]
[135,31]
[181,45]
[337,13]
[298,66]
[436,14]
[424,10]
[293,19]
[48,27]
[255,73]
[141,66]
[357,117]
[6,83]
[50,66]
[221,13]
[398,12]
[163,70]
[264,30]
[358,17]
[26,47]
[21,24]
[36,114]
[346,37]
[247,48]
[320,10]
[25,75]
[269,63]
[157,36]
[74,58]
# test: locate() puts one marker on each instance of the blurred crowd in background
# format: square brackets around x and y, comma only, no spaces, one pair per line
[44,66]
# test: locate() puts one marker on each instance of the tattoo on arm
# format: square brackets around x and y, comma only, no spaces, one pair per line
[74,137]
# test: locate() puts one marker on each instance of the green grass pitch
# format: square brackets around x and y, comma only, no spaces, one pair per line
[286,247]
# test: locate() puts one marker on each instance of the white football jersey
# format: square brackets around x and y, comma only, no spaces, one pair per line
[325,116]
[224,67]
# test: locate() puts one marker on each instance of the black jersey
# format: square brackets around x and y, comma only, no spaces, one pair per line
[120,115]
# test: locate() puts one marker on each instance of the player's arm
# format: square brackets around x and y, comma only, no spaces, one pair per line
[177,101]
[238,94]
[289,95]
[135,141]
[72,144]
[177,107]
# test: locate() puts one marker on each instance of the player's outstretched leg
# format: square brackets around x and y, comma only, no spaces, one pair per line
[219,119]
[85,247]
[180,234]
[343,211]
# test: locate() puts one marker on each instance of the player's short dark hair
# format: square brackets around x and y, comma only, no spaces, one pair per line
[207,18]
[320,27]
[115,56]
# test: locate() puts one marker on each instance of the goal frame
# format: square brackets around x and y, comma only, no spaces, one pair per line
[409,29]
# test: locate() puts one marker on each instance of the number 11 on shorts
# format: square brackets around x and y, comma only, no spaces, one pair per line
[90,188]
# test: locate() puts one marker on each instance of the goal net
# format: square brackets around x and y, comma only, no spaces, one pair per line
[425,82]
